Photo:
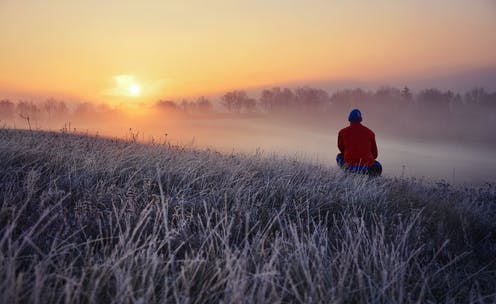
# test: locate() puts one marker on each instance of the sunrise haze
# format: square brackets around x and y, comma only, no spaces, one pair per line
[128,50]
[258,151]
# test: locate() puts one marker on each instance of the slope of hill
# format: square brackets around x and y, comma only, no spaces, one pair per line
[87,219]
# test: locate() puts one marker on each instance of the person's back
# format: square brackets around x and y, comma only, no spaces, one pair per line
[358,147]
[357,143]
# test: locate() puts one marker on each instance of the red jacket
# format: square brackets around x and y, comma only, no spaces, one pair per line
[357,143]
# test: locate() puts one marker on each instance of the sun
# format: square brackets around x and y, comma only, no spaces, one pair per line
[134,90]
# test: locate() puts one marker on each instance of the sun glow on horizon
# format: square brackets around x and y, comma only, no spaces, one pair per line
[131,88]
[173,49]
[135,90]
[125,86]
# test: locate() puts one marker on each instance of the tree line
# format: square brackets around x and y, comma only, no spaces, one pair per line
[427,112]
[384,99]
[49,109]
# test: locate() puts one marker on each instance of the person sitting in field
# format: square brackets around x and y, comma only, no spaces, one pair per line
[357,146]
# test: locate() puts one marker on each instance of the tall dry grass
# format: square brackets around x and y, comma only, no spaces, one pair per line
[86,219]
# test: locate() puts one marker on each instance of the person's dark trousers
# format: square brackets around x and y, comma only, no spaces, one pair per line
[374,170]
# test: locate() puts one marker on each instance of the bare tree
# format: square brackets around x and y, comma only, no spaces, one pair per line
[166,105]
[277,99]
[233,101]
[203,104]
[311,99]
[7,109]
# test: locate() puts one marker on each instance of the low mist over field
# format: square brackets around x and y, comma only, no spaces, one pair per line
[430,133]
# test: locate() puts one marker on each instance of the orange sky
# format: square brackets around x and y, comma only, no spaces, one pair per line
[140,50]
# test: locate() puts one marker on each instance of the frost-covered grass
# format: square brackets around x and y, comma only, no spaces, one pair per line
[85,219]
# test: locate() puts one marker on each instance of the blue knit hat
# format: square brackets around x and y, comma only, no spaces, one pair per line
[355,116]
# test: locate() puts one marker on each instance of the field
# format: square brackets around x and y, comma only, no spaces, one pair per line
[88,219]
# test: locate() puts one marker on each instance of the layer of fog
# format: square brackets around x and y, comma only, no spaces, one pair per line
[401,157]
[433,135]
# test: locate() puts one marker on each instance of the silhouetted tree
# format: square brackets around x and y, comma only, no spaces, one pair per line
[203,104]
[49,107]
[480,97]
[388,93]
[311,98]
[235,101]
[166,105]
[28,109]
[185,105]
[250,105]
[387,101]
[7,109]
[277,99]
[435,100]
[84,109]
[344,100]
[54,108]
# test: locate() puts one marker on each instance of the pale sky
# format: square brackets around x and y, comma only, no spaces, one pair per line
[108,50]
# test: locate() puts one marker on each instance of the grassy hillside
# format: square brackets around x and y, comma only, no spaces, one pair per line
[85,219]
